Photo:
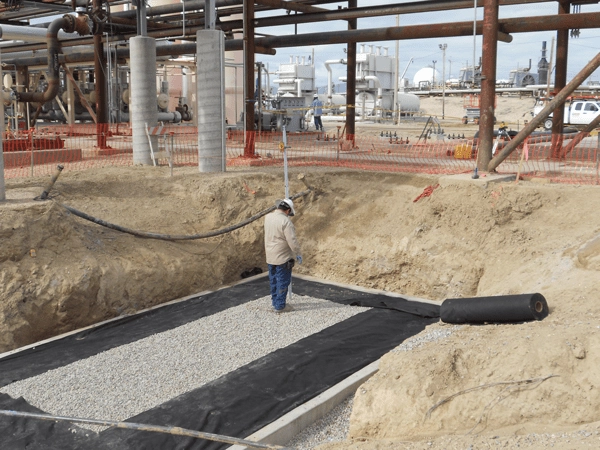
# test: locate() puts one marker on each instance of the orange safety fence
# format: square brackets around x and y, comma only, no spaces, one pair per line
[81,147]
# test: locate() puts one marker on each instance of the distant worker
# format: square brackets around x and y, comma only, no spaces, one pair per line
[318,111]
[282,251]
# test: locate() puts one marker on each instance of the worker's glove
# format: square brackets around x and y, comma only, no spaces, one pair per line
[299,259]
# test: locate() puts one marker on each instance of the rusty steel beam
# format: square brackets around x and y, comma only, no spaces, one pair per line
[580,136]
[513,25]
[489,51]
[351,79]
[558,101]
[291,6]
[249,77]
[560,79]
[369,11]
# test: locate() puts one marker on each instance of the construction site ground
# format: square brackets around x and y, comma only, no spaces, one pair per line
[491,385]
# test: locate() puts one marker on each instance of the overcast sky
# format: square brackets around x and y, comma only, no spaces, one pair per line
[459,52]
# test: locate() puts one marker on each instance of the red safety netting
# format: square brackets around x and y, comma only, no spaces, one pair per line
[571,158]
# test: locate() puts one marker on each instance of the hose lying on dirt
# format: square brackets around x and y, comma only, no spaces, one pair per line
[178,237]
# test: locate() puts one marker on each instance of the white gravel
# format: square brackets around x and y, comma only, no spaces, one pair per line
[127,380]
[334,426]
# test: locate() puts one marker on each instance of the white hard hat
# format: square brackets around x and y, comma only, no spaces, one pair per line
[287,203]
[316,96]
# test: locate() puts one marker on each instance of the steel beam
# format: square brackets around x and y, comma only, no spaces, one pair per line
[537,120]
[351,79]
[488,83]
[560,79]
[249,77]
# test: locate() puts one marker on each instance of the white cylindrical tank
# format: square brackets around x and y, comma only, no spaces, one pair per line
[409,103]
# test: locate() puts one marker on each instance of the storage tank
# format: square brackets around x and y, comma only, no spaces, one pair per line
[409,103]
[426,77]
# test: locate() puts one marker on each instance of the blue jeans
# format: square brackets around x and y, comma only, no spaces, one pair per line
[318,123]
[280,278]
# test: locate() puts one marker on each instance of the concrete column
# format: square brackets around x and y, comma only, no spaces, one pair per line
[143,97]
[210,85]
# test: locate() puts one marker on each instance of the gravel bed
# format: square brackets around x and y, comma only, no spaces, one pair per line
[127,380]
[333,427]
[421,339]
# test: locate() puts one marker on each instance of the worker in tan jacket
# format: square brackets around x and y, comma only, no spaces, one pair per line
[282,251]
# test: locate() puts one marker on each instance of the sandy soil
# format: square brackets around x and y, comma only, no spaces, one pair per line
[59,272]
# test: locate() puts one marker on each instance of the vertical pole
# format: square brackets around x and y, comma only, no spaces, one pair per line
[210,16]
[287,183]
[396,74]
[100,87]
[351,79]
[560,81]
[443,47]
[474,38]
[488,83]
[2,186]
[249,76]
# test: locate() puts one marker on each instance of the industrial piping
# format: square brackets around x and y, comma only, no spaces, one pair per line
[330,77]
[69,24]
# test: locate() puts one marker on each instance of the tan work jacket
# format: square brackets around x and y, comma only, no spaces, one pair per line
[281,244]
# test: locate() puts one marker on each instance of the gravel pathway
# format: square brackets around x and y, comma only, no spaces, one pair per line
[127,380]
[333,427]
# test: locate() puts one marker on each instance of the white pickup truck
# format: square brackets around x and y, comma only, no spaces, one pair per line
[578,112]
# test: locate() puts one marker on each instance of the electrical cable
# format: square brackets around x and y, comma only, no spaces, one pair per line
[175,237]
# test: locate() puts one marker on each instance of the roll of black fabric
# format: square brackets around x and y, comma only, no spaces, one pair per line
[501,308]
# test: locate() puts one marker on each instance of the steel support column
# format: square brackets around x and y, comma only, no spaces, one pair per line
[351,79]
[488,83]
[560,80]
[249,77]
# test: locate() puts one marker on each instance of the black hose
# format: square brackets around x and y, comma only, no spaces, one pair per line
[169,237]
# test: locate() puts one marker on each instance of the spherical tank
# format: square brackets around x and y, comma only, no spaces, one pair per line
[426,75]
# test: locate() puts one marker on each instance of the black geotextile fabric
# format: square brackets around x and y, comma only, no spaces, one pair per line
[500,308]
[240,402]
[27,434]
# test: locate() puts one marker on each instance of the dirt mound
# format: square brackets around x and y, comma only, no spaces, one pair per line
[59,272]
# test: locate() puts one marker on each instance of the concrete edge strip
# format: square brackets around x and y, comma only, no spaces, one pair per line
[286,427]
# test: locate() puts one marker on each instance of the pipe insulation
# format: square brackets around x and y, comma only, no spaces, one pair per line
[210,98]
[143,97]
[501,308]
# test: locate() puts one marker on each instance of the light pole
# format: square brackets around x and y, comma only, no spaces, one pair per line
[433,76]
[443,47]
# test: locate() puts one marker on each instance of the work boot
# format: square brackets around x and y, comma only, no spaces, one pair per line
[286,308]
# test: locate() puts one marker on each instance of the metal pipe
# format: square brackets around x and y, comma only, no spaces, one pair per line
[558,101]
[48,188]
[513,25]
[330,77]
[69,24]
